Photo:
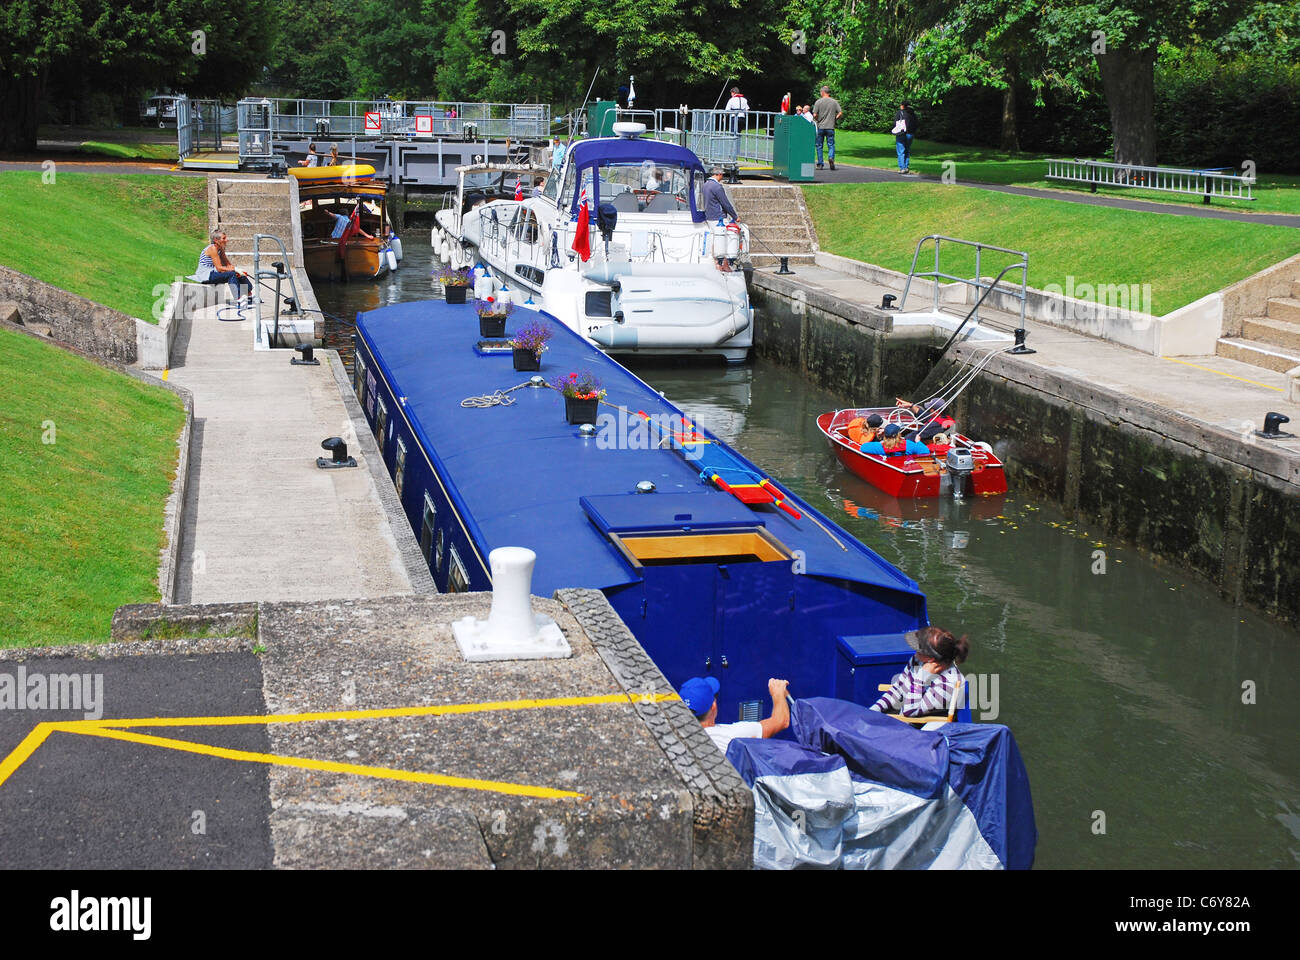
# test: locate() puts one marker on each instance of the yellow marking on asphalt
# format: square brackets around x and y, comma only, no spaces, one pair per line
[165,372]
[436,710]
[1266,386]
[117,729]
[330,766]
[18,756]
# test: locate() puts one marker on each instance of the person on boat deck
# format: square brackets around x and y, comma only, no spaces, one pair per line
[341,225]
[716,203]
[894,444]
[334,156]
[930,678]
[934,422]
[312,158]
[701,696]
[866,430]
[215,266]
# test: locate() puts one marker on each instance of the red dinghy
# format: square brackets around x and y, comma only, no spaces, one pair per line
[914,475]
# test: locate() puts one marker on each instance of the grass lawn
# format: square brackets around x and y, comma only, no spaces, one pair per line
[81,518]
[110,238]
[1275,193]
[1182,258]
[131,151]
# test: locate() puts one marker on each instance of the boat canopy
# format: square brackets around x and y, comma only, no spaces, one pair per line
[585,156]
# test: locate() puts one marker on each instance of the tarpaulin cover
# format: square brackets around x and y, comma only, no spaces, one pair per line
[956,797]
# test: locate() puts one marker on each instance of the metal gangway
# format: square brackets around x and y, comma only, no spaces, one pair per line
[206,130]
[1207,183]
[983,288]
[403,119]
[733,139]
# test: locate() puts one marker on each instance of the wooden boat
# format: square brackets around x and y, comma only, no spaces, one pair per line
[352,257]
[915,475]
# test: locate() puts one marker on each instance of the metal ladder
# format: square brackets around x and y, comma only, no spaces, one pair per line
[261,337]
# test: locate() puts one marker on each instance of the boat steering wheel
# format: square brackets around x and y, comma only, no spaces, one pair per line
[903,417]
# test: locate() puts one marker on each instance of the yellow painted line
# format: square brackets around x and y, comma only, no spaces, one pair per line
[379,714]
[1266,386]
[18,756]
[329,766]
[165,372]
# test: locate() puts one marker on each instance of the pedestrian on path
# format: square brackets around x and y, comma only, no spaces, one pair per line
[904,130]
[826,111]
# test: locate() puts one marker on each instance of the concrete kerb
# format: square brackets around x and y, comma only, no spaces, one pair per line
[854,314]
[417,569]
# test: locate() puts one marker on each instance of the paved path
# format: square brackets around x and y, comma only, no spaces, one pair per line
[261,520]
[849,173]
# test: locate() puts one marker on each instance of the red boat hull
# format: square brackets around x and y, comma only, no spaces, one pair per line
[910,476]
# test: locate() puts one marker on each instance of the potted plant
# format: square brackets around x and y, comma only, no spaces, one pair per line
[454,283]
[582,395]
[492,315]
[529,344]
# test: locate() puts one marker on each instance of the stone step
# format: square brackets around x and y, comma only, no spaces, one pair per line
[781,248]
[773,220]
[763,259]
[767,207]
[249,188]
[276,228]
[1260,355]
[242,203]
[1284,308]
[1266,330]
[1295,289]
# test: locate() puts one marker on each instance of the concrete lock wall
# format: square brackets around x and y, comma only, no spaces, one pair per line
[93,328]
[1201,500]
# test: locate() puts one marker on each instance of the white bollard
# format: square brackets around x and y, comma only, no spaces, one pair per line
[512,631]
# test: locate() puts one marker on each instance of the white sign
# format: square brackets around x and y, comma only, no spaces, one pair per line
[424,126]
[372,123]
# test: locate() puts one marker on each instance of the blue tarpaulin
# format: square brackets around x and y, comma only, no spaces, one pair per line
[861,790]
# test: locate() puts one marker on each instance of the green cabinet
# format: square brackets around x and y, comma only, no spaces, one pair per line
[793,149]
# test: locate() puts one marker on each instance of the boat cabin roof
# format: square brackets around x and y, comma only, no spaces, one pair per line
[520,475]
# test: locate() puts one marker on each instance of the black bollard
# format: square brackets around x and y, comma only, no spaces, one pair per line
[1020,343]
[339,450]
[785,266]
[1272,426]
[308,358]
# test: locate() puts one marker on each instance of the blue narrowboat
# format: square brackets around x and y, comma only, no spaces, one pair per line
[715,569]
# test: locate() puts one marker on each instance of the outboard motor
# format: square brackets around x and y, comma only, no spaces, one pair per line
[961,463]
[606,221]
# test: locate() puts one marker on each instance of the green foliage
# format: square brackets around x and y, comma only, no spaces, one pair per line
[81,521]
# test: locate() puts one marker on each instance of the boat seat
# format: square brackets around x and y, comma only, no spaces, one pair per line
[626,203]
[662,203]
[933,717]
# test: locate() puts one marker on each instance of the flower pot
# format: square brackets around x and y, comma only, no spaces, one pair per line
[580,411]
[455,293]
[492,325]
[525,359]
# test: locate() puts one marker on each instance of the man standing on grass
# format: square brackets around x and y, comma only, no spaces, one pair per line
[826,112]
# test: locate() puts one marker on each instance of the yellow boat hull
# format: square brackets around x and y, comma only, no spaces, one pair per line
[342,173]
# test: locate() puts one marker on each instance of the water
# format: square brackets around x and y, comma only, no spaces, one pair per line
[1124,688]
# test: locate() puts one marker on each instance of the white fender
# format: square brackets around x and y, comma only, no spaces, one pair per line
[733,241]
[392,259]
[397,247]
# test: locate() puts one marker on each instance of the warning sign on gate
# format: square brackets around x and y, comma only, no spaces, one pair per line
[372,122]
[424,126]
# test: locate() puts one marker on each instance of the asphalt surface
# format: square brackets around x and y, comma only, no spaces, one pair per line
[85,802]
[848,173]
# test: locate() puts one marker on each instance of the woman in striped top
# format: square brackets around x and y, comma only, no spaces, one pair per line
[928,682]
[215,267]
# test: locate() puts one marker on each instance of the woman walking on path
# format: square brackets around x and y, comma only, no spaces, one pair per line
[904,130]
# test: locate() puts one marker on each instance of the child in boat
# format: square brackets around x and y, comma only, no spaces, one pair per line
[931,677]
[894,444]
[865,430]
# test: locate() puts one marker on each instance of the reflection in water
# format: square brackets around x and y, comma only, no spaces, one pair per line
[1123,680]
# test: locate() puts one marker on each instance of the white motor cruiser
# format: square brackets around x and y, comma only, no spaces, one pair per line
[651,285]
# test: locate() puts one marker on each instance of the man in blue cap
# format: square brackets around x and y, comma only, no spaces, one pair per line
[701,696]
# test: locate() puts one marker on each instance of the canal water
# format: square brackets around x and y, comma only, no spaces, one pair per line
[1156,720]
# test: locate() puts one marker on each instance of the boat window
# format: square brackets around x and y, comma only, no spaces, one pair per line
[659,186]
[427,522]
[552,188]
[600,303]
[531,274]
[566,195]
[526,229]
[359,378]
[438,543]
[399,470]
[457,579]
[381,423]
[753,545]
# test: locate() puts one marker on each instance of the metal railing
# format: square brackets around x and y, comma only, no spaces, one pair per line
[261,335]
[977,281]
[1206,183]
[730,138]
[405,119]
